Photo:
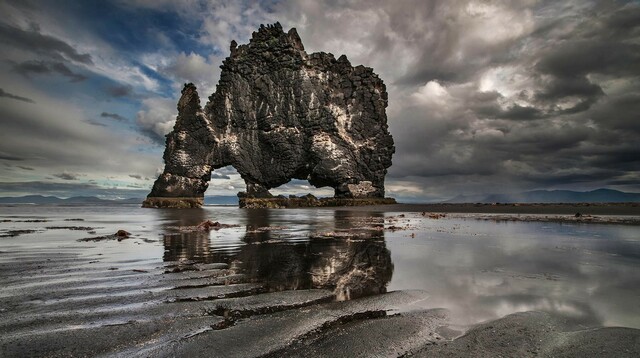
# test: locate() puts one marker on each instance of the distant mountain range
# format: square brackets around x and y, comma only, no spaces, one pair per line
[536,196]
[89,200]
[552,196]
[221,200]
[41,199]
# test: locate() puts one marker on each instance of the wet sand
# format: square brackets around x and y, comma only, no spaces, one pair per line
[55,303]
[115,298]
[558,209]
[599,213]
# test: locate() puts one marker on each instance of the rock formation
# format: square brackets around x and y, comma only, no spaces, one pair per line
[278,114]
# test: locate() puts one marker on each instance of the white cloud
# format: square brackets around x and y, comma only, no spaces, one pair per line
[157,117]
[204,73]
[432,94]
[223,21]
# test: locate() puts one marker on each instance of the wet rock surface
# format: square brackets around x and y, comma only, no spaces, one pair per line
[14,233]
[309,201]
[278,114]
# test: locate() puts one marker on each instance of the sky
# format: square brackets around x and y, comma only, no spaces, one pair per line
[484,96]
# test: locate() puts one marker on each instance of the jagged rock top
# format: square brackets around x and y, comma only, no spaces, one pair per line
[277,114]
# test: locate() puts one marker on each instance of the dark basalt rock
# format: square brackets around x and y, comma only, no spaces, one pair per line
[278,114]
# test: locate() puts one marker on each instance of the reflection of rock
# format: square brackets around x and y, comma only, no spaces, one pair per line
[185,245]
[351,258]
[278,114]
[354,268]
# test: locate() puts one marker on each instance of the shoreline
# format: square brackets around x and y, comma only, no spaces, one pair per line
[515,208]
[581,213]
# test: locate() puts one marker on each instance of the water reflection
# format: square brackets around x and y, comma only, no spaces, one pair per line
[184,245]
[344,251]
[483,270]
[478,270]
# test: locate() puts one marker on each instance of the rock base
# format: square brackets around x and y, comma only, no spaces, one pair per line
[176,203]
[310,201]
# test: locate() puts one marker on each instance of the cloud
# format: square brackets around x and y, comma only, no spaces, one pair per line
[60,139]
[119,90]
[157,118]
[219,176]
[11,157]
[194,68]
[115,116]
[136,176]
[298,187]
[94,123]
[13,96]
[67,176]
[28,68]
[529,120]
[45,45]
[25,168]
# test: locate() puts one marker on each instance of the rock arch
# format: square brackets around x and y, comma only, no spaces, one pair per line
[278,114]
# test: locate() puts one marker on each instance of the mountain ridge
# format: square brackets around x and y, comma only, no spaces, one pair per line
[534,196]
[601,195]
[78,200]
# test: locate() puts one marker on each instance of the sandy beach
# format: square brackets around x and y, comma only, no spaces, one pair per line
[307,283]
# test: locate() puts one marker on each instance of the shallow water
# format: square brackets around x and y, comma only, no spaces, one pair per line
[478,270]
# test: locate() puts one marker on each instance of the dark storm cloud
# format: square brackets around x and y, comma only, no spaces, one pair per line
[451,40]
[94,123]
[561,108]
[562,87]
[16,97]
[34,41]
[39,186]
[626,157]
[29,68]
[11,157]
[607,53]
[586,176]
[115,116]
[620,112]
[25,168]
[515,112]
[67,176]
[624,20]
[119,90]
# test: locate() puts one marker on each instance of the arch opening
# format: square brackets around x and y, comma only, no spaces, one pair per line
[224,186]
[226,183]
[299,187]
